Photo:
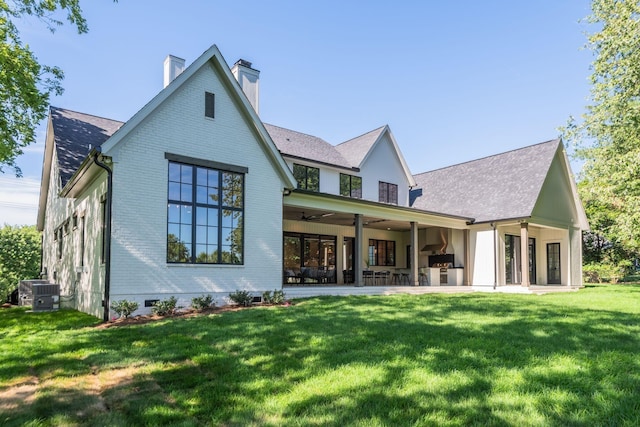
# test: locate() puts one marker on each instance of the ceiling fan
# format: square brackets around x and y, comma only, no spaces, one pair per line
[314,217]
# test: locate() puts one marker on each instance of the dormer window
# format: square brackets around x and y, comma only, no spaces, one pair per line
[351,186]
[308,177]
[388,193]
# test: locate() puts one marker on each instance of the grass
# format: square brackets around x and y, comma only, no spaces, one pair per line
[467,359]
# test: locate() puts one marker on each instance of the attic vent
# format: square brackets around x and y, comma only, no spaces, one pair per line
[209,105]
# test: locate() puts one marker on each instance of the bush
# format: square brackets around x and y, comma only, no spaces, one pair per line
[202,302]
[276,298]
[165,307]
[243,298]
[124,307]
[19,257]
[605,271]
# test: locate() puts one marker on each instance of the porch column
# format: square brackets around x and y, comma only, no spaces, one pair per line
[466,273]
[415,279]
[524,253]
[357,252]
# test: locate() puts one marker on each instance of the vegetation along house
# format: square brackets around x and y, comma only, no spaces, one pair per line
[196,195]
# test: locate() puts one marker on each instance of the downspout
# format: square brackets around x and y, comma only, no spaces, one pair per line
[495,255]
[107,242]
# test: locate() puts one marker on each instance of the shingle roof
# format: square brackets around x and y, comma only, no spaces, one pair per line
[301,145]
[356,149]
[75,134]
[503,186]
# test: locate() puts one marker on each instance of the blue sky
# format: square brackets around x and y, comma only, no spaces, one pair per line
[455,80]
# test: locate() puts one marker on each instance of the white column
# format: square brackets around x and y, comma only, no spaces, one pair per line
[357,252]
[415,279]
[524,253]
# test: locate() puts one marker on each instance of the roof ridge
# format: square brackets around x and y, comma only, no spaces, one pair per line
[489,156]
[361,135]
[85,114]
[301,133]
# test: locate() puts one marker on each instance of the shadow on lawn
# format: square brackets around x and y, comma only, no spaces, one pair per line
[262,366]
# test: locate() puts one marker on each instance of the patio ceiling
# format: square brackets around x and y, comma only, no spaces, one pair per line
[295,213]
[337,210]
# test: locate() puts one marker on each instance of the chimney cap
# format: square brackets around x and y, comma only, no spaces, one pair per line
[243,63]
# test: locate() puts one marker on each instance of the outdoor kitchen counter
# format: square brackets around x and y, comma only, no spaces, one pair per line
[455,276]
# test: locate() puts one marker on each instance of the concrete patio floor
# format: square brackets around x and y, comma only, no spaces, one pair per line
[311,291]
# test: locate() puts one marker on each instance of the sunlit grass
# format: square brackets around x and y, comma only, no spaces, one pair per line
[467,359]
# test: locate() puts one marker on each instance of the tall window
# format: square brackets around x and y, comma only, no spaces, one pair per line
[387,193]
[308,177]
[350,186]
[513,259]
[382,252]
[204,215]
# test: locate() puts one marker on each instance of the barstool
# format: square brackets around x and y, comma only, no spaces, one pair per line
[395,279]
[404,278]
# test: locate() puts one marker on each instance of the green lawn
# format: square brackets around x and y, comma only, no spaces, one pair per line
[468,359]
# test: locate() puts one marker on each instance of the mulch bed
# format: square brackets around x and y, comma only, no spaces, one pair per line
[141,320]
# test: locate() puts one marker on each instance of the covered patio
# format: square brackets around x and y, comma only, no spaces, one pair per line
[334,241]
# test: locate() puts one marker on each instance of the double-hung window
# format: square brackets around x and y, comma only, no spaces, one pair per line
[350,186]
[204,214]
[308,177]
[387,193]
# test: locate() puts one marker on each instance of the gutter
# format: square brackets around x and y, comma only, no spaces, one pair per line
[107,237]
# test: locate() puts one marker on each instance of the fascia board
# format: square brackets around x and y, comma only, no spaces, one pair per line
[46,174]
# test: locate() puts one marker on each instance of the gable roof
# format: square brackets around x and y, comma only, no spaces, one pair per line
[503,186]
[302,146]
[211,56]
[358,150]
[75,134]
[355,150]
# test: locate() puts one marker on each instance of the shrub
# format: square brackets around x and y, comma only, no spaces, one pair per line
[124,307]
[277,297]
[243,298]
[165,306]
[202,302]
[605,271]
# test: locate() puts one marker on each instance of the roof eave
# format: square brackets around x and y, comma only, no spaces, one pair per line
[318,162]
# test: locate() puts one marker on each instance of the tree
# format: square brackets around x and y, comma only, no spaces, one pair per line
[19,256]
[25,84]
[608,137]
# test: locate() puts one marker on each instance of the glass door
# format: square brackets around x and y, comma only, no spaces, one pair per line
[553,264]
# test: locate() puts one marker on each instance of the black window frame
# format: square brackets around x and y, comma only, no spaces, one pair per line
[210,105]
[302,175]
[382,253]
[387,192]
[205,217]
[347,186]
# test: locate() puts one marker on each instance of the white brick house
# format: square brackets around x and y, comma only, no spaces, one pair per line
[195,195]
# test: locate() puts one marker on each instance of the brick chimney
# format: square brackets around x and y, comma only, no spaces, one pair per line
[173,66]
[249,80]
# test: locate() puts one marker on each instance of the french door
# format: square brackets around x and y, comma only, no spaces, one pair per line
[554,276]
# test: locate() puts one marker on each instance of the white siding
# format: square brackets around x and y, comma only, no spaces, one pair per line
[178,126]
[384,165]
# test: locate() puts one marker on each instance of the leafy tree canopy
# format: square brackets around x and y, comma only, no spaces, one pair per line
[608,136]
[19,256]
[25,84]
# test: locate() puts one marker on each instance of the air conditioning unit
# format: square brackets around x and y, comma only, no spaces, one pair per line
[25,291]
[46,297]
